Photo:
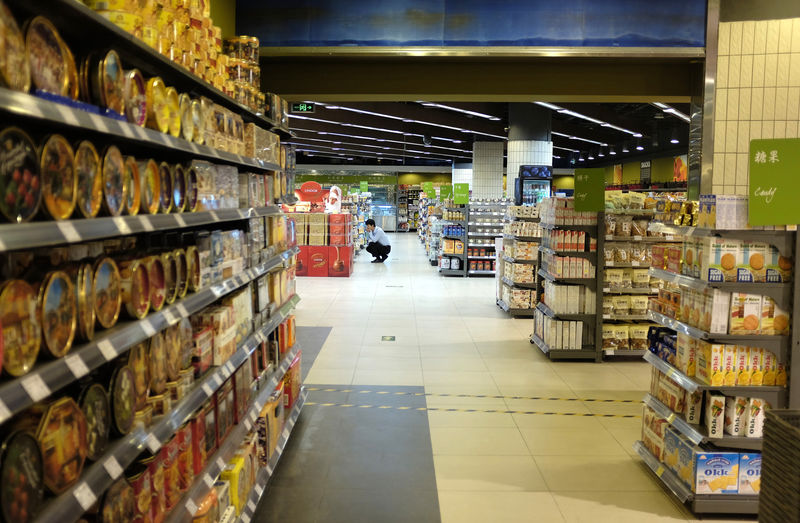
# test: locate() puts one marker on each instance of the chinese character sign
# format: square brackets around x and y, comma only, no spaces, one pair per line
[590,190]
[774,182]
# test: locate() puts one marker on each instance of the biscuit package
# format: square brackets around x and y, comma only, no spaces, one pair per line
[751,266]
[717,473]
[694,405]
[746,313]
[744,374]
[749,473]
[709,363]
[720,259]
[774,320]
[755,417]
[735,415]
[778,268]
[715,415]
[755,364]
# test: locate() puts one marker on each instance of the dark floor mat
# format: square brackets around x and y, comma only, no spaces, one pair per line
[311,340]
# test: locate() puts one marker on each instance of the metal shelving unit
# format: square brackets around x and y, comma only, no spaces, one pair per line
[550,313]
[588,353]
[517,313]
[780,292]
[514,260]
[492,212]
[508,281]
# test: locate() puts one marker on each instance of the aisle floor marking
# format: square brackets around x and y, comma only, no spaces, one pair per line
[485,396]
[489,411]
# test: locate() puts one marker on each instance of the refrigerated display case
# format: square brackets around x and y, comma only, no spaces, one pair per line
[533,184]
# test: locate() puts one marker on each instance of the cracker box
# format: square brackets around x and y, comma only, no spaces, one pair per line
[755,357]
[709,363]
[774,320]
[715,415]
[735,415]
[717,473]
[755,417]
[694,406]
[235,473]
[729,365]
[744,375]
[671,446]
[687,461]
[779,268]
[769,366]
[751,266]
[749,473]
[716,311]
[745,316]
[720,259]
[686,355]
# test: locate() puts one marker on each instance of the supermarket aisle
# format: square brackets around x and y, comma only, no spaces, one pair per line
[453,343]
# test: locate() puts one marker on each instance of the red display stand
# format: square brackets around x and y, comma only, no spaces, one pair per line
[318,260]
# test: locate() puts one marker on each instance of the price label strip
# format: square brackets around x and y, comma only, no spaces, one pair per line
[76,366]
[113,467]
[84,495]
[35,386]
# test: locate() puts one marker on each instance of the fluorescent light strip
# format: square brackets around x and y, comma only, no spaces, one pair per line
[325,154]
[671,110]
[566,149]
[570,112]
[325,133]
[459,110]
[571,137]
[399,153]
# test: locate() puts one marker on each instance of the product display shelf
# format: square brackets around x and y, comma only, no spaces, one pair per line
[514,260]
[50,377]
[779,345]
[631,212]
[481,257]
[84,28]
[491,226]
[508,281]
[584,228]
[782,293]
[14,236]
[487,224]
[452,272]
[587,353]
[518,313]
[265,474]
[73,503]
[698,503]
[547,311]
[637,238]
[58,116]
[549,277]
[521,238]
[590,255]
[622,265]
[782,239]
[485,234]
[626,317]
[630,290]
[487,213]
[627,353]
[477,272]
[523,219]
[185,509]
[698,434]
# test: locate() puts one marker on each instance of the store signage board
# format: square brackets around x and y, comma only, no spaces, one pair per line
[364,186]
[302,108]
[427,188]
[446,192]
[644,171]
[460,193]
[773,181]
[590,190]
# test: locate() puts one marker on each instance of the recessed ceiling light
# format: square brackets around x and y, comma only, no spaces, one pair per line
[464,111]
[570,112]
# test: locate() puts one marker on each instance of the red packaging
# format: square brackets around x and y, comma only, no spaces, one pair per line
[169,461]
[203,350]
[318,261]
[185,459]
[283,337]
[339,218]
[198,424]
[242,379]
[673,254]
[209,416]
[158,507]
[339,239]
[338,229]
[291,383]
[292,321]
[142,495]
[224,412]
[302,261]
[658,256]
[340,261]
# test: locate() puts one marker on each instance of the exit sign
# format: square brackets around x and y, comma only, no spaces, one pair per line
[302,108]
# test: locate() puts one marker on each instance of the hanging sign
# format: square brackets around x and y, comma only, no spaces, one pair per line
[364,186]
[589,190]
[446,192]
[773,181]
[461,193]
[427,188]
[644,172]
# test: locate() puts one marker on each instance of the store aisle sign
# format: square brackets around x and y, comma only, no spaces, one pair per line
[446,191]
[364,186]
[589,190]
[461,193]
[774,182]
[427,188]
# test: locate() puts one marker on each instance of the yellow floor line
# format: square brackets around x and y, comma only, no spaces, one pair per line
[485,396]
[492,411]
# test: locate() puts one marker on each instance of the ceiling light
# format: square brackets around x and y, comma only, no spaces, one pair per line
[570,112]
[580,158]
[611,151]
[549,106]
[639,146]
[674,138]
[464,111]
[671,110]
[557,157]
[590,157]
[625,147]
[565,149]
[600,153]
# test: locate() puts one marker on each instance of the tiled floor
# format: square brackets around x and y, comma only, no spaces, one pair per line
[453,342]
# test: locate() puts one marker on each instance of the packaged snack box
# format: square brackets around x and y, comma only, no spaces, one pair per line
[769,365]
[743,372]
[709,363]
[774,320]
[729,365]
[720,259]
[751,266]
[694,405]
[715,415]
[735,415]
[671,446]
[755,364]
[749,473]
[778,268]
[745,317]
[687,460]
[717,473]
[755,417]
[686,357]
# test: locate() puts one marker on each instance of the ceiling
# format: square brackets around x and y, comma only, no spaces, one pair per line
[439,134]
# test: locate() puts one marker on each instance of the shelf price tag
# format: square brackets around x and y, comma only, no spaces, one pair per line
[152,443]
[76,366]
[4,412]
[35,386]
[660,471]
[207,390]
[220,464]
[251,505]
[69,232]
[84,495]
[259,489]
[191,507]
[107,349]
[671,418]
[113,467]
[208,480]
[182,310]
[122,225]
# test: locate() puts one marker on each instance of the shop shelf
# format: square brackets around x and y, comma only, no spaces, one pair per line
[638,238]
[79,24]
[47,378]
[522,238]
[508,281]
[549,277]
[452,272]
[635,353]
[490,224]
[481,272]
[633,264]
[265,473]
[671,480]
[585,228]
[523,219]
[14,236]
[481,245]
[485,234]
[783,240]
[779,345]
[630,290]
[481,257]
[626,317]
[631,212]
[454,255]
[100,476]
[486,213]
[526,313]
[451,237]
[584,354]
[526,262]
[547,311]
[204,482]
[574,254]
[780,292]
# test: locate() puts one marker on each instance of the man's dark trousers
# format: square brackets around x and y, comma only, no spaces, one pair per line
[379,251]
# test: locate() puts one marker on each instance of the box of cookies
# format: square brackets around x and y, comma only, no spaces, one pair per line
[720,259]
[717,473]
[745,317]
[751,266]
[778,267]
[774,320]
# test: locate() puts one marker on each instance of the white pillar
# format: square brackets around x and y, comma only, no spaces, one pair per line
[487,169]
[526,152]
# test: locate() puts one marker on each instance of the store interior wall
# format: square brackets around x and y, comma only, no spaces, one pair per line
[223,12]
[418,178]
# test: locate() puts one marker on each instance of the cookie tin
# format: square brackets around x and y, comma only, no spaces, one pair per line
[93,401]
[62,438]
[90,182]
[133,196]
[115,183]
[170,276]
[193,268]
[137,361]
[108,82]
[191,190]
[178,189]
[107,292]
[58,312]
[187,344]
[187,120]
[150,183]
[158,113]
[59,180]
[46,57]
[119,503]
[73,80]
[83,77]
[181,274]
[122,400]
[83,281]
[174,109]
[20,182]
[172,339]
[139,478]
[15,70]
[198,122]
[157,360]
[22,477]
[135,96]
[165,176]
[157,280]
[135,286]
[21,333]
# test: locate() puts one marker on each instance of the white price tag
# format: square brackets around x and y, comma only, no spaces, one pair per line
[85,496]
[180,220]
[259,489]
[148,328]
[152,443]
[214,216]
[220,464]
[140,133]
[113,467]
[207,390]
[69,231]
[229,366]
[208,480]
[35,386]
[127,129]
[3,245]
[248,425]
[191,507]
[4,412]
[217,381]
[170,317]
[182,310]
[122,225]
[146,223]
[251,505]
[67,115]
[253,415]
[76,366]
[245,518]
[107,350]
[99,123]
[217,290]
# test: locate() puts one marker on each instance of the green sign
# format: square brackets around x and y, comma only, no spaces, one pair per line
[427,188]
[446,191]
[590,190]
[353,189]
[461,191]
[302,108]
[774,184]
[364,186]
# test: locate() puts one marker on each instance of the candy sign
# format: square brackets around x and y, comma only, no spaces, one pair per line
[773,182]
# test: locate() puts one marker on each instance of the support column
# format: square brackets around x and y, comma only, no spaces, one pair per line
[529,140]
[462,173]
[487,169]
